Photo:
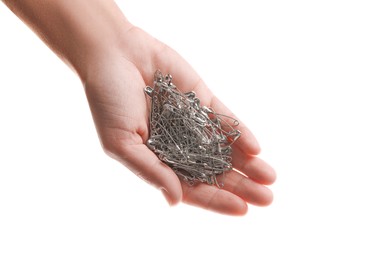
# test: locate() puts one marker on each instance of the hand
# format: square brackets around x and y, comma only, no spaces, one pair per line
[115,61]
[114,85]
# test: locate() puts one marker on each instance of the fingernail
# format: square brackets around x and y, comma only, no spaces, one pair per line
[166,195]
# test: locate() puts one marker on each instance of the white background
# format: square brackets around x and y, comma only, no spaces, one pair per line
[311,78]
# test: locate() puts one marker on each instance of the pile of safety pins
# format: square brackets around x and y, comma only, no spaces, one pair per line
[193,140]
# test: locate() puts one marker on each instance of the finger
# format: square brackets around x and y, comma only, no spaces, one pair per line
[254,167]
[212,198]
[247,189]
[247,141]
[144,163]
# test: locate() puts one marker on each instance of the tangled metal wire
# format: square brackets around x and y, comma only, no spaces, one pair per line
[194,141]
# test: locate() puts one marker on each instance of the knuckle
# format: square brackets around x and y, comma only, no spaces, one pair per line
[113,148]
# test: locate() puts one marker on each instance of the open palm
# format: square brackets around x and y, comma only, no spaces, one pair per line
[114,88]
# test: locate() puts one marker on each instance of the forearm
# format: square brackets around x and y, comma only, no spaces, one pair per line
[80,32]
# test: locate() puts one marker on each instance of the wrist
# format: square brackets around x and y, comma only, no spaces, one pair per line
[97,50]
[95,36]
[132,46]
[78,31]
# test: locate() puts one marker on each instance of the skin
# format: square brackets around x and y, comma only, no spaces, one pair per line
[115,60]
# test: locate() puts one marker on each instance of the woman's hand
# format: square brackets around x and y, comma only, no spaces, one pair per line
[115,61]
[115,89]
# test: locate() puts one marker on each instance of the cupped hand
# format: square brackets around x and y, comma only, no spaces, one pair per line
[114,85]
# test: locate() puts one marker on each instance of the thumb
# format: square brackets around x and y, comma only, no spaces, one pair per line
[145,164]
